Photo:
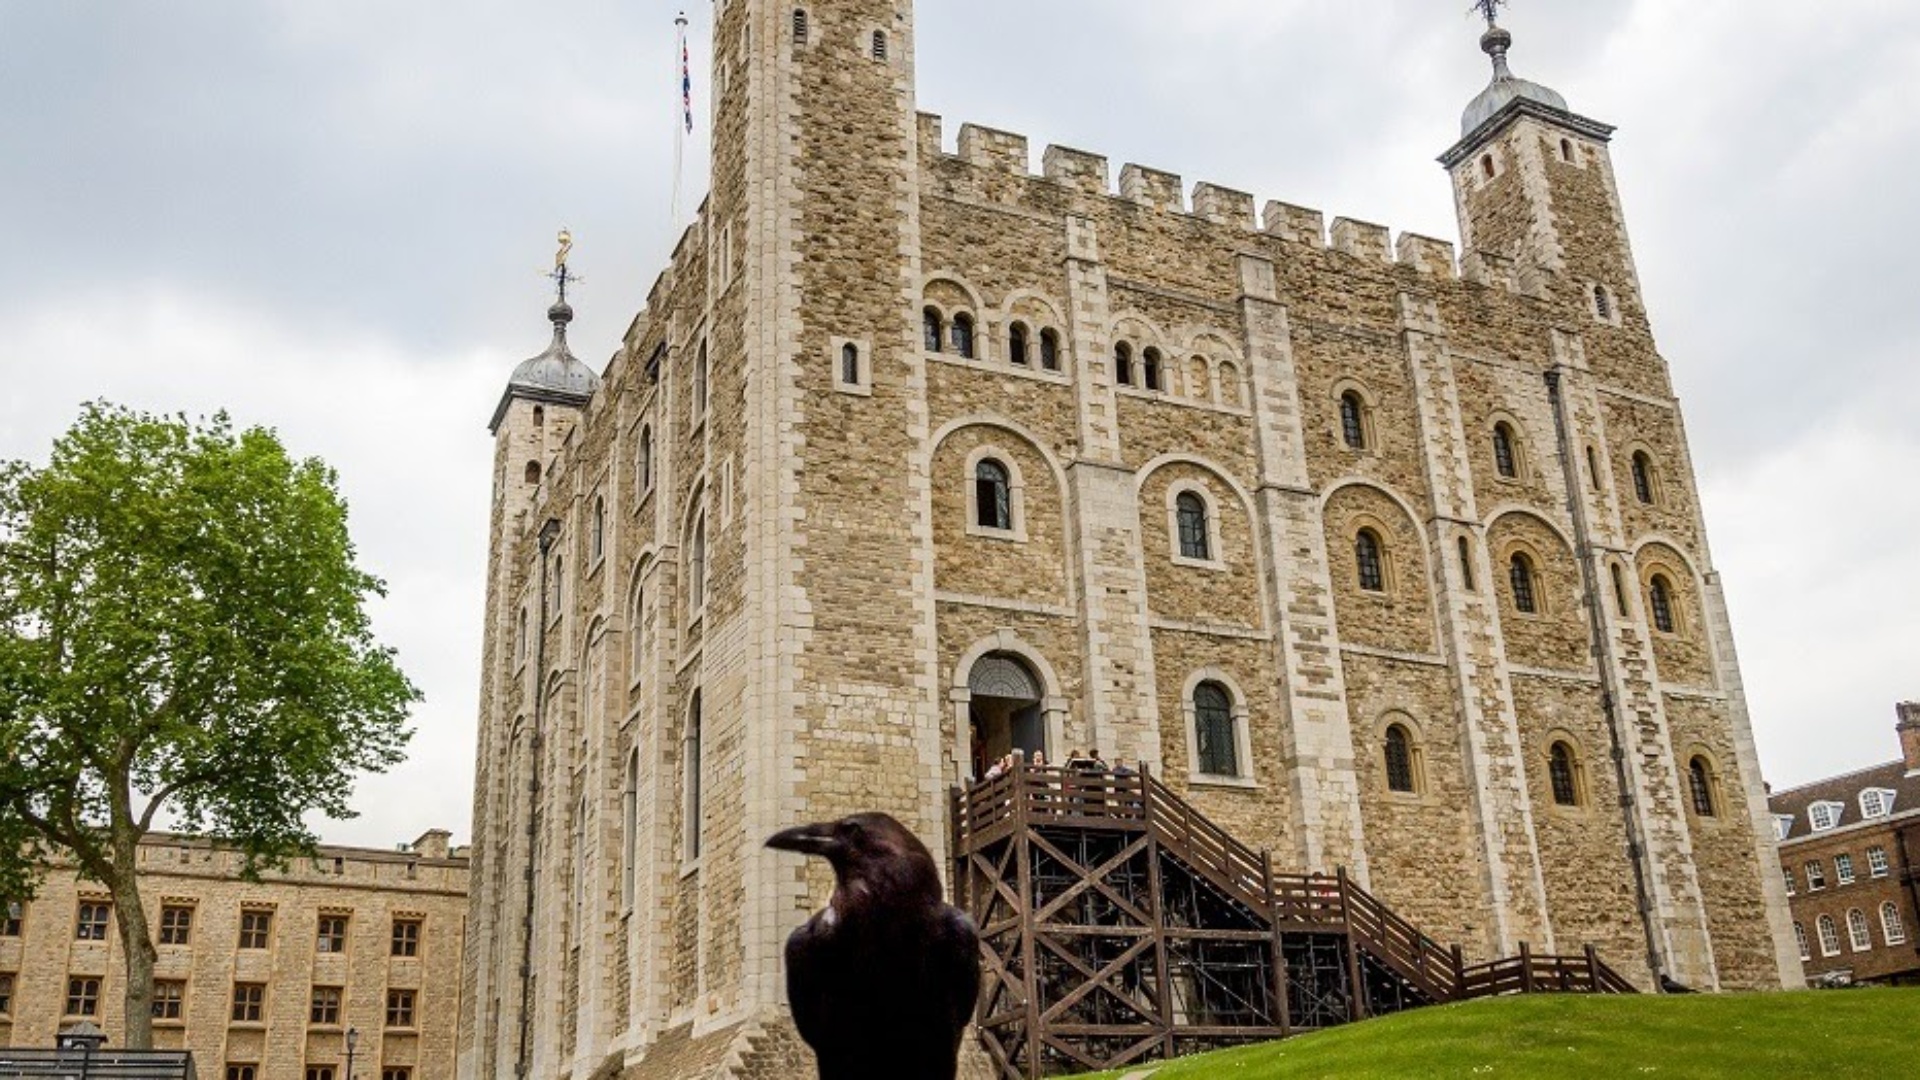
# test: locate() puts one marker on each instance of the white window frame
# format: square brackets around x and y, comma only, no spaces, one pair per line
[1859,930]
[1788,875]
[1782,826]
[1894,929]
[1877,865]
[1829,936]
[1831,812]
[1800,937]
[1880,796]
[1843,869]
[1816,875]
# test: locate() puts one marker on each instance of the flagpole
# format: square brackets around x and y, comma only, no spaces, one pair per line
[683,115]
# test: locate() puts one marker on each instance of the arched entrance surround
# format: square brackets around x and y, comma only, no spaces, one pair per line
[1005,696]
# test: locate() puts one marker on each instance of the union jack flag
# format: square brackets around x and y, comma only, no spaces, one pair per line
[686,83]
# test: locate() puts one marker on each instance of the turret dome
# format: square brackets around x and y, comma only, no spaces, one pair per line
[555,376]
[1505,88]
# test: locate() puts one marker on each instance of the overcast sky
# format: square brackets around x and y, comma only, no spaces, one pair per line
[331,218]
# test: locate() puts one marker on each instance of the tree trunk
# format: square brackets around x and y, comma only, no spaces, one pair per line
[135,940]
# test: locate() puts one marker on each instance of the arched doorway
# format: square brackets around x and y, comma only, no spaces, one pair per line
[1005,709]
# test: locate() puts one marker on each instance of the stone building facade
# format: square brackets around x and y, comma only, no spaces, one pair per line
[1850,859]
[1389,559]
[261,980]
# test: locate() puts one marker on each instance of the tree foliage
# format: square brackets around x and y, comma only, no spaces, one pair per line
[185,643]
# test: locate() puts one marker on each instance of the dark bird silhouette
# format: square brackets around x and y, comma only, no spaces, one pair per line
[1668,985]
[884,978]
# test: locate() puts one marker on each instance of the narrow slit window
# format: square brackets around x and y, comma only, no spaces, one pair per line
[1050,350]
[1602,302]
[1353,423]
[1399,754]
[1619,591]
[1191,509]
[1151,366]
[690,779]
[1520,573]
[934,329]
[1593,468]
[850,365]
[963,335]
[993,496]
[1504,458]
[1466,565]
[1366,557]
[1123,364]
[1700,781]
[1561,775]
[1643,477]
[1660,600]
[1017,344]
[800,26]
[879,45]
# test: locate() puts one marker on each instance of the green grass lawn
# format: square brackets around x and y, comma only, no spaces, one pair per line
[1822,1035]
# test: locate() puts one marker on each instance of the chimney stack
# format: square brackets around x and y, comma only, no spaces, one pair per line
[432,844]
[1909,729]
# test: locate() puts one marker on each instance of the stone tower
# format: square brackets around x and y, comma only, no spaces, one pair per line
[1386,560]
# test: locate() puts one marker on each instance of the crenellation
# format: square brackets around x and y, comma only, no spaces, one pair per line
[1361,239]
[990,148]
[1153,188]
[1425,254]
[1493,271]
[931,136]
[1223,206]
[1295,223]
[1077,169]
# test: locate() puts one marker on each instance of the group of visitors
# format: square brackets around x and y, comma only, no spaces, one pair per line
[1089,762]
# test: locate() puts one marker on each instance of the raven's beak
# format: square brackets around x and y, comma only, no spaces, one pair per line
[807,840]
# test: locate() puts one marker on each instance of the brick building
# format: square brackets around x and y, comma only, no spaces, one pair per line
[260,980]
[1388,559]
[1850,857]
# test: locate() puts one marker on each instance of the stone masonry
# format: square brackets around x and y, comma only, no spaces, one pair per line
[379,932]
[915,455]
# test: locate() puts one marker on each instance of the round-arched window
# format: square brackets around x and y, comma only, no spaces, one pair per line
[993,495]
[1215,741]
[1191,510]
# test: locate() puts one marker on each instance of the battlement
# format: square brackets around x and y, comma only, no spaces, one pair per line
[1009,154]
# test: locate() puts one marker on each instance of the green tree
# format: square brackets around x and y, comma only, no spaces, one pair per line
[185,643]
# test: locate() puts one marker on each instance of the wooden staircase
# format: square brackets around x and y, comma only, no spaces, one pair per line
[1119,924]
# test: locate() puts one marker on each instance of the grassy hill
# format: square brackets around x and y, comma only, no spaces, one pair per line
[1826,1036]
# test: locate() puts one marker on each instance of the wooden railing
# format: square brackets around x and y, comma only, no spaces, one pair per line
[1039,797]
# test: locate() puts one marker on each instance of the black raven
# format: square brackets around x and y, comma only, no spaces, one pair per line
[883,979]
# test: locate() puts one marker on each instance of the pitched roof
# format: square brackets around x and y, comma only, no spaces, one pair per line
[1845,790]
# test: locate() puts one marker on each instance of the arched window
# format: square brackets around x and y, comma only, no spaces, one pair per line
[1123,364]
[993,495]
[1466,565]
[643,461]
[1191,510]
[1050,350]
[599,544]
[1700,783]
[1660,601]
[1353,420]
[539,415]
[1619,591]
[1892,925]
[1858,931]
[690,778]
[637,634]
[963,335]
[1643,477]
[1366,558]
[1150,365]
[879,45]
[1520,573]
[533,472]
[1829,936]
[1017,344]
[700,383]
[799,26]
[850,364]
[630,830]
[1602,302]
[1563,775]
[1566,150]
[1800,938]
[1399,753]
[1503,455]
[1214,737]
[697,565]
[934,329]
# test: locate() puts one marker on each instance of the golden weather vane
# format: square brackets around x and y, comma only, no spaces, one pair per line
[562,276]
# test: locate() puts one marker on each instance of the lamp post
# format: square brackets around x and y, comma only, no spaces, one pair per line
[353,1040]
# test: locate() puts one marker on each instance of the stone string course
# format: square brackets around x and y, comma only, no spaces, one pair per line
[846,596]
